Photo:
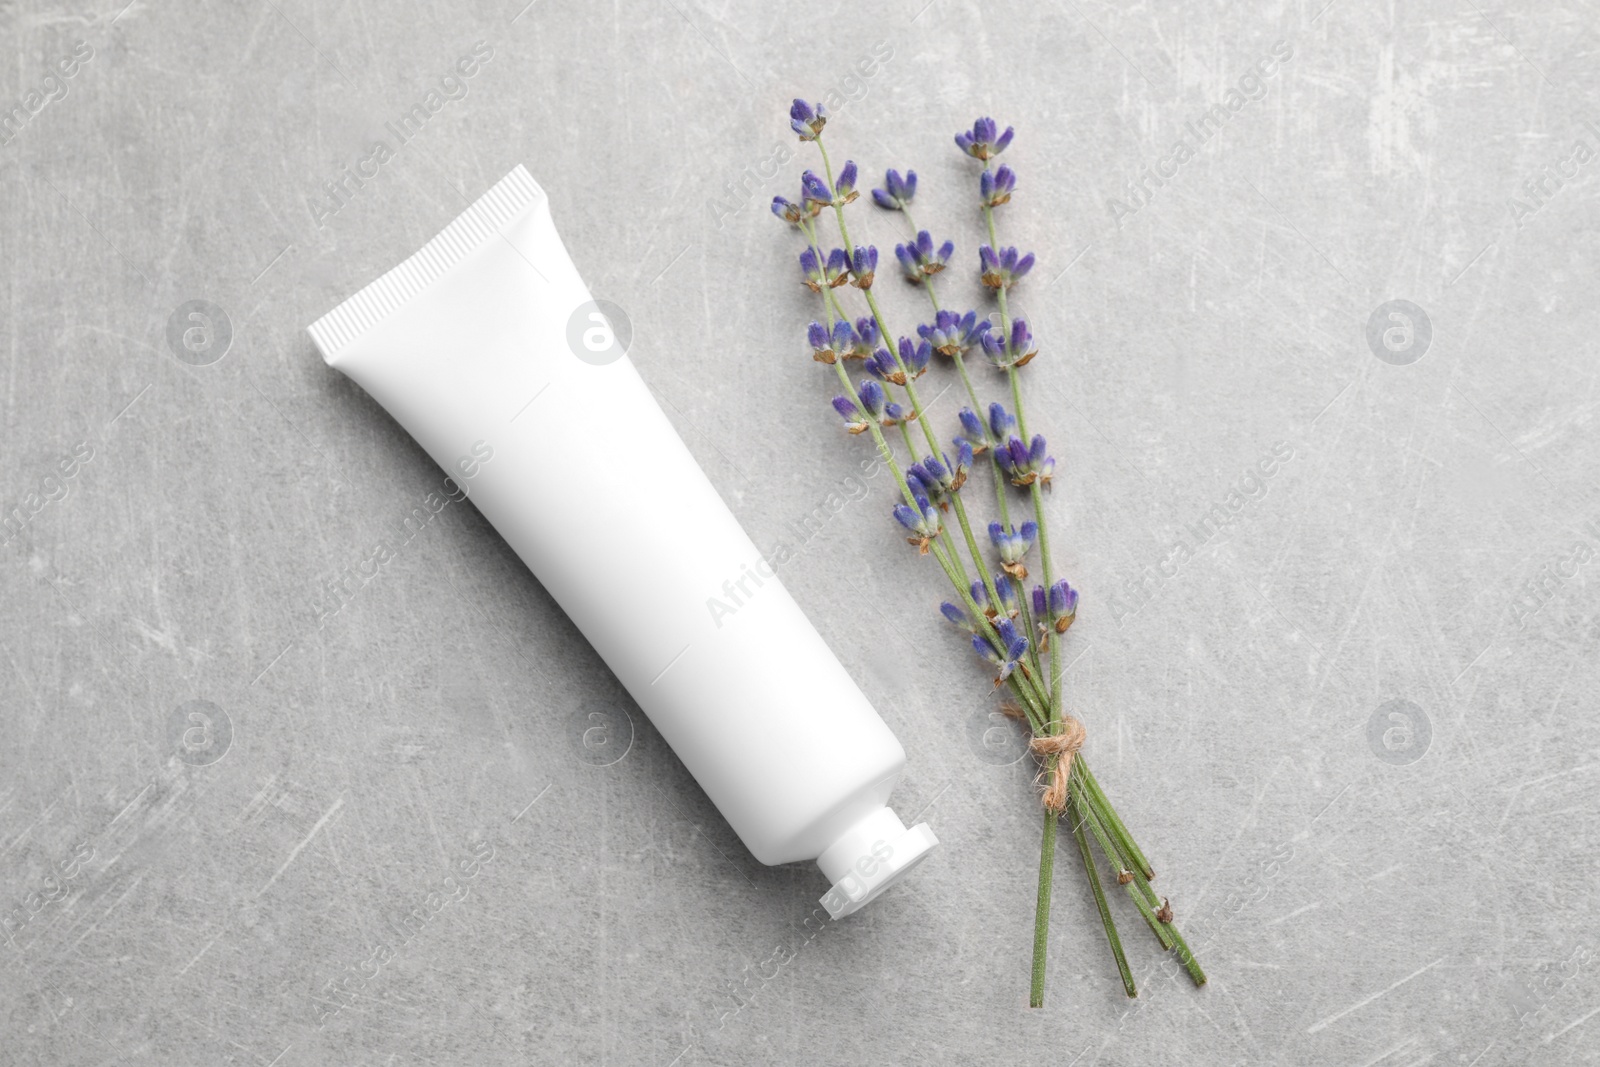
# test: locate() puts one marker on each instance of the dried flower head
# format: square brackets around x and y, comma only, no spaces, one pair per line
[996,186]
[1013,545]
[953,334]
[983,141]
[787,211]
[863,265]
[1003,269]
[974,432]
[897,192]
[828,346]
[1026,464]
[844,189]
[923,523]
[920,259]
[815,192]
[1009,657]
[807,120]
[1016,351]
[855,419]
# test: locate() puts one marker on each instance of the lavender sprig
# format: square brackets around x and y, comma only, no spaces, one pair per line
[1031,466]
[1011,630]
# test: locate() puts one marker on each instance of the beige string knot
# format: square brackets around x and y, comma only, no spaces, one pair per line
[1063,746]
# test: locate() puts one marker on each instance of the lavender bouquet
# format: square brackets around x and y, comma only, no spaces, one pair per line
[1016,630]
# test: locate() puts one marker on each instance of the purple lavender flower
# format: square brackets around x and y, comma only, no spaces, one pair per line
[837,270]
[963,462]
[1026,464]
[952,333]
[996,186]
[935,479]
[827,347]
[789,212]
[1008,596]
[958,616]
[872,397]
[980,597]
[950,476]
[920,259]
[994,349]
[812,270]
[1015,647]
[815,192]
[908,263]
[924,483]
[933,261]
[1013,459]
[867,333]
[850,412]
[1013,545]
[984,141]
[879,407]
[1001,423]
[915,357]
[917,485]
[807,120]
[1022,348]
[1003,269]
[1019,351]
[976,433]
[923,523]
[882,366]
[1043,464]
[844,189]
[863,265]
[1063,601]
[844,338]
[897,191]
[821,343]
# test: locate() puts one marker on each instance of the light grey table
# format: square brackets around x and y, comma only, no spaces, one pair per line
[1354,724]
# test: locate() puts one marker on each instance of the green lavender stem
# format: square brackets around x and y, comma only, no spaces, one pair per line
[1143,898]
[1116,827]
[1076,818]
[1041,926]
[1042,919]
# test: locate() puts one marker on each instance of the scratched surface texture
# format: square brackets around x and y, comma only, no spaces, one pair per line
[1315,298]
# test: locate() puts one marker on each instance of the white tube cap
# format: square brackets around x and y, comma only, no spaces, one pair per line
[870,857]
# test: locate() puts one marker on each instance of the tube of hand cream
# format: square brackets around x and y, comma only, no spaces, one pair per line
[489,350]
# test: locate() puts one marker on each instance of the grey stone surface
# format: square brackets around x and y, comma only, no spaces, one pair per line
[1354,727]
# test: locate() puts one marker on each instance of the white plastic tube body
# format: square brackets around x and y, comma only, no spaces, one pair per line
[473,346]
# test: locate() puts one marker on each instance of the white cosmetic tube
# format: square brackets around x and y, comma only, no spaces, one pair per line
[487,347]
